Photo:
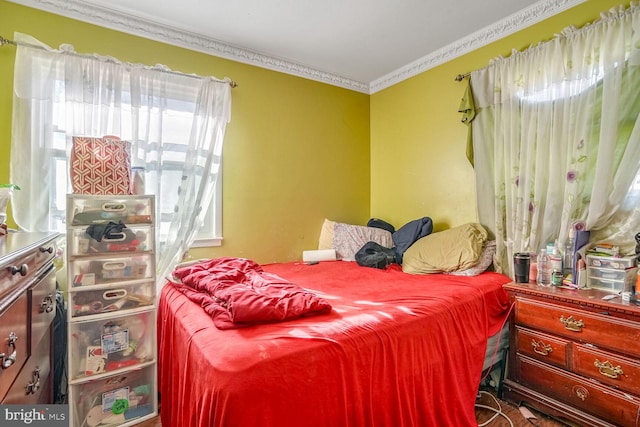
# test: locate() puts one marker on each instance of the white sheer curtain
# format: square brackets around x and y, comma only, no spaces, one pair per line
[557,138]
[176,124]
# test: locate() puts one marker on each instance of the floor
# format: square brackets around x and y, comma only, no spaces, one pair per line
[483,415]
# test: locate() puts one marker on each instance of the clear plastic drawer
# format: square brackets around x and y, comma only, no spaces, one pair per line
[606,273]
[111,270]
[115,400]
[617,263]
[109,344]
[109,238]
[600,278]
[112,299]
[607,285]
[87,209]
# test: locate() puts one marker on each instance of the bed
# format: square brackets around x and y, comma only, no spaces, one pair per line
[396,349]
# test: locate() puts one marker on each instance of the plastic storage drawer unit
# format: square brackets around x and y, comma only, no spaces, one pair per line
[611,273]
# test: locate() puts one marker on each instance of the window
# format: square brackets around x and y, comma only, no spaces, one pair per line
[176,121]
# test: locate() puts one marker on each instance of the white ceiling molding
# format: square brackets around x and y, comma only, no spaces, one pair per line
[108,18]
[512,24]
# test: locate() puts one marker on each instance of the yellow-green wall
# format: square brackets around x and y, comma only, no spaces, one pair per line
[296,151]
[418,162]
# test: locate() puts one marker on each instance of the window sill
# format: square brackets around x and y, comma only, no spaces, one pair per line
[207,243]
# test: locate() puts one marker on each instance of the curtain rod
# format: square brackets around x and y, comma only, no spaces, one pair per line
[4,41]
[461,77]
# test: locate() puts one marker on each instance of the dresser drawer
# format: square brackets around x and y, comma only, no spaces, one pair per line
[13,342]
[33,384]
[43,306]
[597,329]
[588,396]
[608,368]
[23,270]
[543,347]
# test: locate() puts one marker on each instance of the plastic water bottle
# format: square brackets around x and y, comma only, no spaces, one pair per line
[544,273]
[567,262]
[555,266]
[137,180]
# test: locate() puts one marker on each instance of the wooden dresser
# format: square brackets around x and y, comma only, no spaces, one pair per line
[574,355]
[27,309]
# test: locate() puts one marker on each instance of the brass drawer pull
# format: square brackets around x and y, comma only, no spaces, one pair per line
[541,348]
[581,392]
[9,360]
[572,324]
[607,369]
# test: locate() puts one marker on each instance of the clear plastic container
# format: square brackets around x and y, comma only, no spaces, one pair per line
[544,268]
[125,398]
[137,180]
[110,344]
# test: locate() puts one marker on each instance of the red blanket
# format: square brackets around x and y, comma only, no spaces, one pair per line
[237,292]
[396,350]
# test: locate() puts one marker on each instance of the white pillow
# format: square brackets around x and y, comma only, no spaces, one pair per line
[347,239]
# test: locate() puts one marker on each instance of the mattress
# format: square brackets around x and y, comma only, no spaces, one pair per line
[395,350]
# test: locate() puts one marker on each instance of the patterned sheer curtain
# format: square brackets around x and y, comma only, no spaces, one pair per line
[175,122]
[557,138]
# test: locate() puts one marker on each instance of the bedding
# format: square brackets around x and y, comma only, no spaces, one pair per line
[454,249]
[395,350]
[237,292]
[347,239]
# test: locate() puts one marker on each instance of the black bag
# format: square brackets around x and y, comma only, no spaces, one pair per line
[381,223]
[59,363]
[374,255]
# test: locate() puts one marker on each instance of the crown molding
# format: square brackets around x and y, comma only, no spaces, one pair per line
[512,24]
[104,17]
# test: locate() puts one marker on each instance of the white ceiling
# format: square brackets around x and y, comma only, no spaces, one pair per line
[364,45]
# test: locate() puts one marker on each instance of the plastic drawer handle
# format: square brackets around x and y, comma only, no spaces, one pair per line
[113,207]
[114,294]
[114,265]
[117,237]
[7,361]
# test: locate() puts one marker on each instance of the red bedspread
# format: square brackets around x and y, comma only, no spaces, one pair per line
[396,350]
[237,293]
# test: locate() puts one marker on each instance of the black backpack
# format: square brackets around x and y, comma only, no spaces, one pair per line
[374,255]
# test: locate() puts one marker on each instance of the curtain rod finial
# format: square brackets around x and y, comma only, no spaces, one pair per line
[461,77]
